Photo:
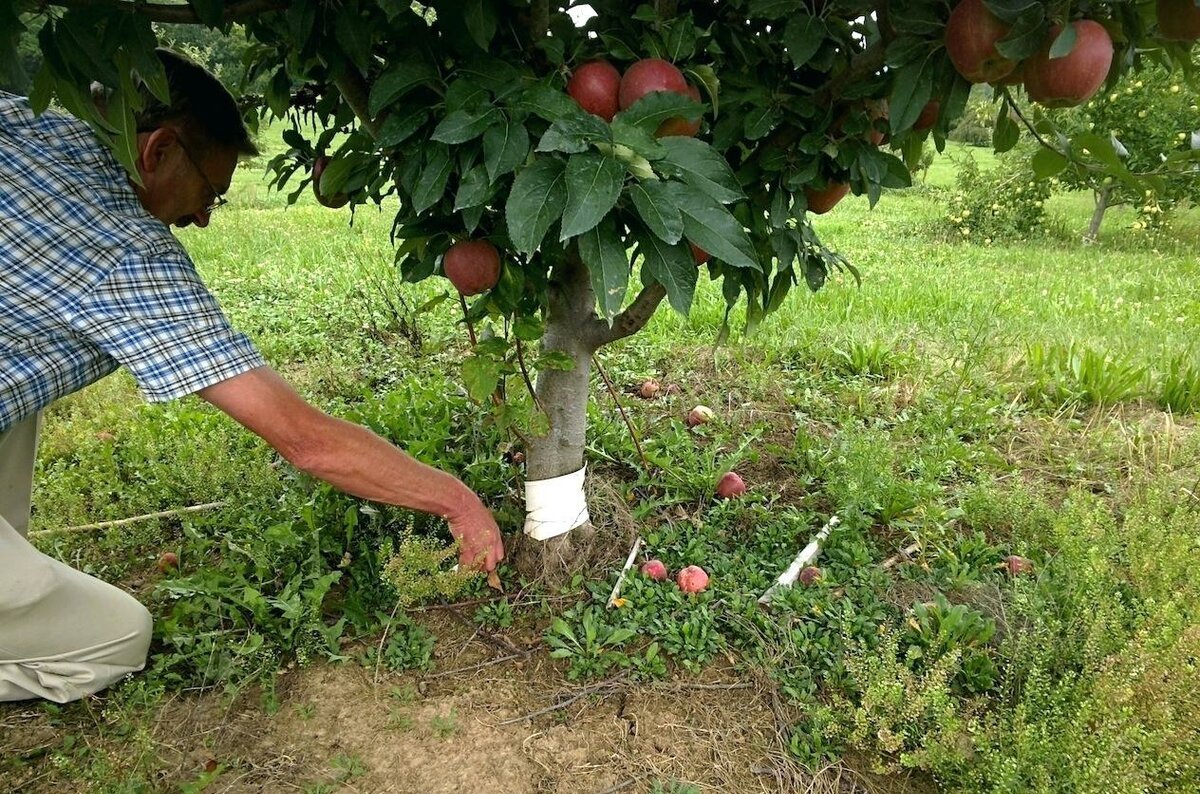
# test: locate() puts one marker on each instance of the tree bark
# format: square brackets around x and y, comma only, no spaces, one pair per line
[1093,231]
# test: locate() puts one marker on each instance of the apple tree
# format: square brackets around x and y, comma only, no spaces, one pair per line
[606,156]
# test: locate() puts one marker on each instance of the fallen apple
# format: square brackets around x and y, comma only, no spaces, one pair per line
[699,415]
[473,266]
[731,486]
[810,575]
[596,86]
[692,579]
[168,561]
[655,569]
[1018,565]
[649,389]
[1075,77]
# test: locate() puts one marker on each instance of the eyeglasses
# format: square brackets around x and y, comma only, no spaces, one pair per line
[218,198]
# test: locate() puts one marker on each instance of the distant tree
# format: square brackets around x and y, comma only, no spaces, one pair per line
[1151,123]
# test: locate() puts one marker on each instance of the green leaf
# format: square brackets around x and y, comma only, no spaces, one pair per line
[528,328]
[399,127]
[474,189]
[573,134]
[279,93]
[656,107]
[208,11]
[547,102]
[803,36]
[1005,132]
[772,9]
[1026,36]
[464,125]
[911,88]
[604,254]
[669,265]
[700,166]
[641,141]
[397,81]
[124,104]
[481,376]
[481,21]
[712,227]
[432,183]
[1064,42]
[353,33]
[535,202]
[1047,162]
[656,207]
[593,185]
[505,146]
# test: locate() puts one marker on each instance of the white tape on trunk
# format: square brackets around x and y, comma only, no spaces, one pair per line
[555,506]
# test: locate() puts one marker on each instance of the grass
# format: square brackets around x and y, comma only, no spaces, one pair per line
[1032,398]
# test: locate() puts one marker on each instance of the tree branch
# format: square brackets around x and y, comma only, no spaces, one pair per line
[178,14]
[354,89]
[635,316]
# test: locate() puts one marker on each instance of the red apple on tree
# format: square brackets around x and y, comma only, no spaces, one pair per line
[699,255]
[595,86]
[335,201]
[1178,20]
[648,75]
[473,266]
[1072,79]
[680,125]
[929,115]
[823,200]
[971,35]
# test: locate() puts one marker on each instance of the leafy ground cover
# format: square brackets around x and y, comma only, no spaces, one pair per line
[1032,397]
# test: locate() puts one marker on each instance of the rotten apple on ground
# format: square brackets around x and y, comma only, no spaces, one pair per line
[168,561]
[473,266]
[1018,565]
[692,579]
[655,569]
[699,415]
[810,575]
[1075,77]
[334,201]
[971,35]
[731,486]
[649,389]
[596,86]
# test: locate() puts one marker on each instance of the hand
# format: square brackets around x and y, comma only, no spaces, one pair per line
[481,547]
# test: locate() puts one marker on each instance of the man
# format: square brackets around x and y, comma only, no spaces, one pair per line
[92,279]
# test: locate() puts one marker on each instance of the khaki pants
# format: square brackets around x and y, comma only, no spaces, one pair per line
[63,634]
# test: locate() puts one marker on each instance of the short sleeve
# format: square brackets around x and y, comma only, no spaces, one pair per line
[153,314]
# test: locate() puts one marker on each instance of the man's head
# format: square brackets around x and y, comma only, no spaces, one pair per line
[187,149]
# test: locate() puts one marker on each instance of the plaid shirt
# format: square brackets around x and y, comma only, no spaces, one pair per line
[90,281]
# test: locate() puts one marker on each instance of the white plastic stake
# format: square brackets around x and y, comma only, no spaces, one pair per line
[616,591]
[807,555]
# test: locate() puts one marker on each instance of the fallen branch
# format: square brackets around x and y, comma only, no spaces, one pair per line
[807,555]
[609,683]
[480,666]
[120,522]
[901,556]
[616,591]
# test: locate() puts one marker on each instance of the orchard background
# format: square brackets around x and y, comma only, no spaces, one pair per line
[994,387]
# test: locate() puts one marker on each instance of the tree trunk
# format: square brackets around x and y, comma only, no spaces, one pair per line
[1093,231]
[563,395]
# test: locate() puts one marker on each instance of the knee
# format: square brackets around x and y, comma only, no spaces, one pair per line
[138,631]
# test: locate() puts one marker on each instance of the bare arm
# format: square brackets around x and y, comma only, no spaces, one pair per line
[355,460]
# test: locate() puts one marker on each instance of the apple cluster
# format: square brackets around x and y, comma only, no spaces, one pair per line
[1052,80]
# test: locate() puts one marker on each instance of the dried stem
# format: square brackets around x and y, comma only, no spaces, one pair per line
[621,408]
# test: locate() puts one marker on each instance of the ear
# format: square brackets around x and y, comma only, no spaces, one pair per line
[153,147]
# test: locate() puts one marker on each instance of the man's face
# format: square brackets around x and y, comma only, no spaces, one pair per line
[179,185]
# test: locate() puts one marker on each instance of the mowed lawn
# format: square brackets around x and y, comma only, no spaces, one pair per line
[1032,398]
